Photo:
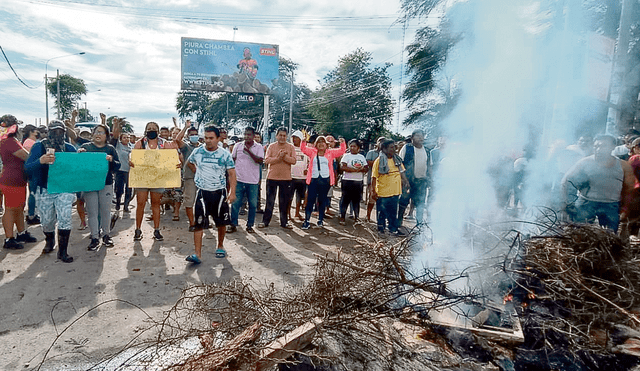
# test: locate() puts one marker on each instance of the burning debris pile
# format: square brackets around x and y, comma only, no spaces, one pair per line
[571,304]
[351,296]
[579,297]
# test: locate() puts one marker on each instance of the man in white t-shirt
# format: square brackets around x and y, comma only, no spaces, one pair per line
[353,166]
[415,159]
[298,175]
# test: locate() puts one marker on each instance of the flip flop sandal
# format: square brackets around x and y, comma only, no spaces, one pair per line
[194,259]
[221,253]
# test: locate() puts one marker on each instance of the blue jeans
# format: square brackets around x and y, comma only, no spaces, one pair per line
[251,192]
[317,190]
[32,198]
[387,210]
[608,213]
[416,193]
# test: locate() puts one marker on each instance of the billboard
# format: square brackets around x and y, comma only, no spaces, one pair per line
[227,66]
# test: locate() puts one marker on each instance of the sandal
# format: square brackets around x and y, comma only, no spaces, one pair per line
[220,253]
[193,259]
[176,218]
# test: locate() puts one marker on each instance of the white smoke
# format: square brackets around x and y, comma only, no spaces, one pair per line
[516,72]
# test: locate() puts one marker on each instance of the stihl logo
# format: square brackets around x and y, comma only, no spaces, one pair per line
[270,52]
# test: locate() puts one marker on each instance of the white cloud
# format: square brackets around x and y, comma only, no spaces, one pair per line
[132,61]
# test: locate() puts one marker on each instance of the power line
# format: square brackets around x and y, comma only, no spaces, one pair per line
[249,21]
[14,71]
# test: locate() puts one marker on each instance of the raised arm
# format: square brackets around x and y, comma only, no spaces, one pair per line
[180,136]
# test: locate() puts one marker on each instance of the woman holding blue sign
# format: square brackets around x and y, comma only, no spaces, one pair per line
[98,203]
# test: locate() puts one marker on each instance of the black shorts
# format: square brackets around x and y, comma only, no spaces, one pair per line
[299,188]
[214,204]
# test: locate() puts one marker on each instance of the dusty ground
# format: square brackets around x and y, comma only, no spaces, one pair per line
[41,297]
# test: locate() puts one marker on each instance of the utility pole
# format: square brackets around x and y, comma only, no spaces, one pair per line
[46,81]
[620,64]
[58,87]
[291,106]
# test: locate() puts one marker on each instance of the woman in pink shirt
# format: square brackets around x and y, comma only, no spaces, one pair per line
[30,136]
[320,176]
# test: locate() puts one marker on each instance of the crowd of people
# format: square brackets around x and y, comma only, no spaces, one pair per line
[221,180]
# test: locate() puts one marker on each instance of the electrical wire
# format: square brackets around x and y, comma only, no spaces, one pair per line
[15,73]
[249,21]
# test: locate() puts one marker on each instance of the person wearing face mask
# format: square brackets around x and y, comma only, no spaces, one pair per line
[150,140]
[98,203]
[176,194]
[188,183]
[54,208]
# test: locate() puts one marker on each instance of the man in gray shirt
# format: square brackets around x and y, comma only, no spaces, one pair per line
[603,184]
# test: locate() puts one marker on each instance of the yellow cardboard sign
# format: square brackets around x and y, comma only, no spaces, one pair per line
[154,168]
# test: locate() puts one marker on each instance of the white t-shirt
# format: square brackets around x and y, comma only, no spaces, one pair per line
[354,162]
[302,162]
[419,161]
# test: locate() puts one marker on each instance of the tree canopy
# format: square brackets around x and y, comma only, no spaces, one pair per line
[355,98]
[71,91]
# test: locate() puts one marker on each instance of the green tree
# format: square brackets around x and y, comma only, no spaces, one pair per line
[428,96]
[124,124]
[84,115]
[194,103]
[354,100]
[71,90]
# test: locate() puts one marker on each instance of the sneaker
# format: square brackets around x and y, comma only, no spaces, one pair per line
[26,237]
[157,236]
[399,233]
[306,225]
[193,258]
[243,212]
[114,219]
[342,222]
[262,225]
[34,220]
[138,235]
[107,241]
[231,228]
[192,228]
[251,230]
[12,244]
[320,223]
[287,226]
[94,245]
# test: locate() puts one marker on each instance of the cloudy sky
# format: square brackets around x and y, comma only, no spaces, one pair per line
[132,61]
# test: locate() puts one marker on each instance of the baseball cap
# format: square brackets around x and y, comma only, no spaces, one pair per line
[298,134]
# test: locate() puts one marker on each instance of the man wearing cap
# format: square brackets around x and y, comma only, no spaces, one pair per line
[298,174]
[53,207]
